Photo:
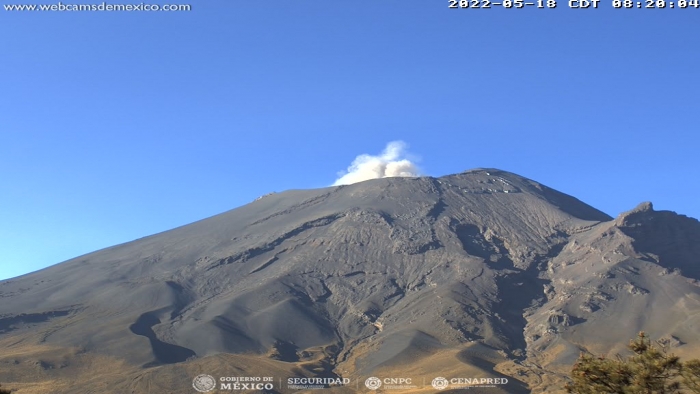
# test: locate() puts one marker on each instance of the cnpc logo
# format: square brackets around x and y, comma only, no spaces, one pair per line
[374,383]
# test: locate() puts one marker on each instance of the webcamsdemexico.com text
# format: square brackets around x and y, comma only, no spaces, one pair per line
[62,7]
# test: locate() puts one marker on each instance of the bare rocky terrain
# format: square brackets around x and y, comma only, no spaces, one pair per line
[478,274]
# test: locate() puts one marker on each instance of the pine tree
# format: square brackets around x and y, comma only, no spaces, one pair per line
[691,375]
[650,370]
[595,375]
[654,371]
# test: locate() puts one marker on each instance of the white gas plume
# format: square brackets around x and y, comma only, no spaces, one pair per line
[392,162]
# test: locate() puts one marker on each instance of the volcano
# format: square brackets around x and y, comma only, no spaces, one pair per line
[479,275]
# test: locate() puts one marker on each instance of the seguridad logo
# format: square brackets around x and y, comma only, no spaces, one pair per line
[315,383]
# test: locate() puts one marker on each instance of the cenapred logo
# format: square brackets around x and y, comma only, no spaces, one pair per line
[373,383]
[440,383]
[204,383]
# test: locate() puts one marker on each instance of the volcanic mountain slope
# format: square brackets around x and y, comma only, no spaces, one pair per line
[478,274]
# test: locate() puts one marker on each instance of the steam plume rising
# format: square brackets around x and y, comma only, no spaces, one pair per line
[392,162]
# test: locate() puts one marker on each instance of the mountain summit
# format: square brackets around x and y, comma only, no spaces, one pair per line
[482,273]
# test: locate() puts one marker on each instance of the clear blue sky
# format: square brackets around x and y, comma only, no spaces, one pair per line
[114,126]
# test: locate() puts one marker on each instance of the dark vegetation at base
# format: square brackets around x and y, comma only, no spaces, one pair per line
[10,323]
[285,351]
[165,353]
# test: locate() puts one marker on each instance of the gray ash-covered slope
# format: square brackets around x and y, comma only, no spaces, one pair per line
[379,275]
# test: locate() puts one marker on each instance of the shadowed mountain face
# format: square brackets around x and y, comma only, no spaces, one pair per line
[483,273]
